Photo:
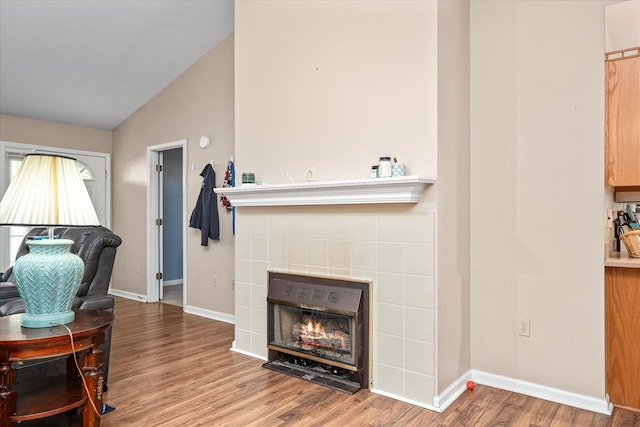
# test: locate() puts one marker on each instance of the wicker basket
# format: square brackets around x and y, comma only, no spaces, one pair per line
[631,241]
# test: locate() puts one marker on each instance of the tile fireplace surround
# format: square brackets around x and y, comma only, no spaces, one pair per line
[391,245]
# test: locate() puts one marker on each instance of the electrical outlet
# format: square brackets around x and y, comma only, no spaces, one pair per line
[608,218]
[523,328]
[310,174]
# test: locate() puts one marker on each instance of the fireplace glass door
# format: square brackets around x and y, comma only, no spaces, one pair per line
[318,333]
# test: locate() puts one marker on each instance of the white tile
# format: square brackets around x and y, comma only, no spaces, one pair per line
[317,226]
[389,350]
[259,250]
[419,357]
[338,227]
[419,324]
[419,259]
[243,318]
[364,228]
[388,319]
[260,225]
[243,270]
[339,272]
[243,294]
[279,266]
[419,229]
[277,227]
[259,345]
[242,339]
[259,273]
[363,255]
[296,268]
[389,288]
[390,257]
[339,252]
[419,291]
[390,228]
[259,322]
[296,226]
[277,250]
[388,379]
[317,252]
[243,247]
[317,270]
[419,387]
[259,297]
[296,251]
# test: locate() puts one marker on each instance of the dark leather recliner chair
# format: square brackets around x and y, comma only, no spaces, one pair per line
[96,246]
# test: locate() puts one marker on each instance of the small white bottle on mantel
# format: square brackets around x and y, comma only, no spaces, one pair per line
[384,167]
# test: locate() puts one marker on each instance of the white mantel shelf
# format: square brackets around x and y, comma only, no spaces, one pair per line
[402,189]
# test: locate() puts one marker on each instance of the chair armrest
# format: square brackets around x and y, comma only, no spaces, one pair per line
[5,275]
[13,307]
[94,302]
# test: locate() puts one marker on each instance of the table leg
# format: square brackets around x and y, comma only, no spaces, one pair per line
[8,396]
[93,378]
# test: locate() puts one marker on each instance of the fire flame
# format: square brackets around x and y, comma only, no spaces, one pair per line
[317,331]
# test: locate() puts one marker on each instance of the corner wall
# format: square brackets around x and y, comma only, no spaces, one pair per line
[537,161]
[199,102]
[453,276]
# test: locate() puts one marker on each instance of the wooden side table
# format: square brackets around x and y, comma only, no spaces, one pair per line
[55,395]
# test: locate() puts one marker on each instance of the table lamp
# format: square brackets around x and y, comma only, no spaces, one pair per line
[47,190]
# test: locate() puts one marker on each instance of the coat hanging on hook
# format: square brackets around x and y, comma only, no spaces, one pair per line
[205,214]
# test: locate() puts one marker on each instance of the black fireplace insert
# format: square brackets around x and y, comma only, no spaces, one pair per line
[319,329]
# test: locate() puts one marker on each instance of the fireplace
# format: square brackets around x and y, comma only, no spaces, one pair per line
[318,329]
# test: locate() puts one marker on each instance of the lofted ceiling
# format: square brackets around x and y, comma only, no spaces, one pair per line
[94,63]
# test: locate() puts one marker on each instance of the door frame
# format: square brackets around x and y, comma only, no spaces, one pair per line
[153,188]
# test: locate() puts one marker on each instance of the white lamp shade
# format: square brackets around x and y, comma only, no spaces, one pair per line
[47,190]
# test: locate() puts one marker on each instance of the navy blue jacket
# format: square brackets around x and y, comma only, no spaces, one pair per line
[205,215]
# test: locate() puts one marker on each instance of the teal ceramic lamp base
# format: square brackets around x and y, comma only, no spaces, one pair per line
[47,279]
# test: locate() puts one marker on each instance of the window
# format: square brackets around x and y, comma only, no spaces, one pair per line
[16,234]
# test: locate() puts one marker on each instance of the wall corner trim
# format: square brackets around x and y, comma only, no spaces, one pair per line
[452,392]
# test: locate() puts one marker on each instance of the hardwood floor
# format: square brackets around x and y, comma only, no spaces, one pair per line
[174,369]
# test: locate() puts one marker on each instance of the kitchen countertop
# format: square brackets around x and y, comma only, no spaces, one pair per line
[617,259]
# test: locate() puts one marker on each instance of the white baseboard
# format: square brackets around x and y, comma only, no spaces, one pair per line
[172,282]
[543,392]
[246,353]
[451,393]
[128,295]
[210,314]
[405,400]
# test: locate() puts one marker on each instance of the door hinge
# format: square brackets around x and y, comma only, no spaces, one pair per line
[158,168]
[158,221]
[159,276]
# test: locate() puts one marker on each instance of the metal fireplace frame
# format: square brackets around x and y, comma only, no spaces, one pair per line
[336,296]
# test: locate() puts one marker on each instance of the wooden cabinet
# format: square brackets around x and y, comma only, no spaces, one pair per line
[622,330]
[622,119]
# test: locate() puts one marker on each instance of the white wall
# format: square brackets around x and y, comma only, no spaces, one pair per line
[537,156]
[199,102]
[622,26]
[453,276]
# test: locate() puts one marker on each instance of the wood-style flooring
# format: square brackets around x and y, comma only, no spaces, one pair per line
[169,368]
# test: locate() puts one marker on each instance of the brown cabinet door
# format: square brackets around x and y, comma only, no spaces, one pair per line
[622,329]
[622,122]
